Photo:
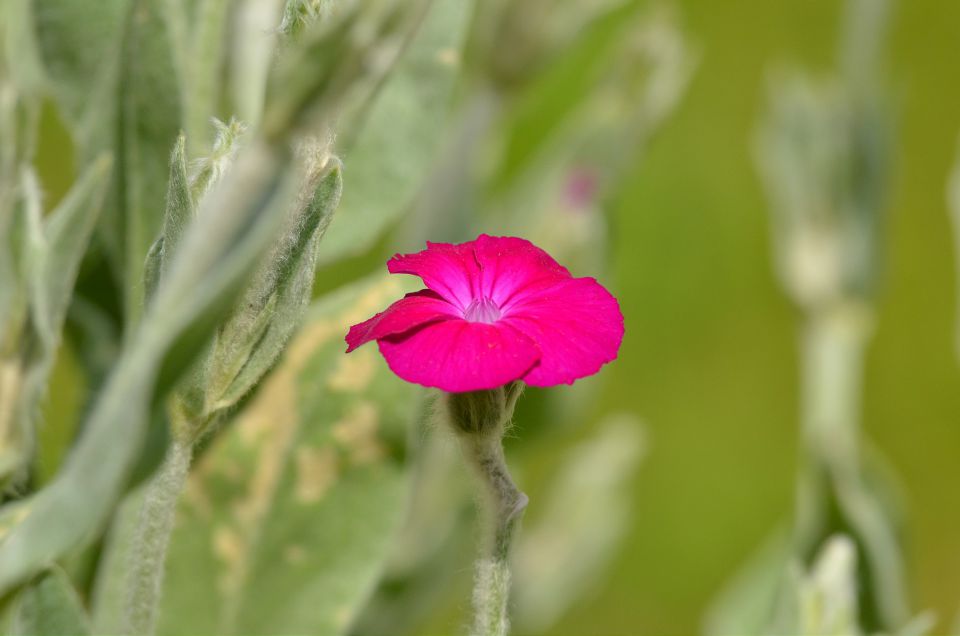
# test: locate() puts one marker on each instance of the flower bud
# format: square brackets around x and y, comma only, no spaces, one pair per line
[482,412]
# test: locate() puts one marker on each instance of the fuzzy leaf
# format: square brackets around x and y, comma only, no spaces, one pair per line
[217,256]
[113,75]
[211,168]
[149,112]
[49,606]
[203,70]
[289,515]
[390,156]
[78,42]
[50,259]
[67,233]
[292,287]
[18,230]
[179,211]
[335,68]
[151,270]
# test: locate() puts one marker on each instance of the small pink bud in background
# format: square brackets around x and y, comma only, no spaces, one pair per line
[581,187]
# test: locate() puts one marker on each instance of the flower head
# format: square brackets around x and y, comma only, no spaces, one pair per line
[496,310]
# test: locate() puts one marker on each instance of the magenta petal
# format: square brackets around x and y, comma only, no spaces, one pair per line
[450,270]
[458,356]
[413,310]
[509,265]
[577,325]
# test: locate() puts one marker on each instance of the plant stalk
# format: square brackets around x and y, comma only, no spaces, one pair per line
[480,420]
[149,550]
[502,508]
[832,346]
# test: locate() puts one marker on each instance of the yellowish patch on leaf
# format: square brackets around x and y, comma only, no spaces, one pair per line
[267,430]
[10,384]
[357,432]
[229,547]
[353,372]
[294,554]
[317,470]
[370,302]
[343,617]
[449,57]
[195,495]
[14,518]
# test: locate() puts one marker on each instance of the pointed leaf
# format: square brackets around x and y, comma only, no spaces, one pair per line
[78,42]
[203,71]
[67,233]
[151,270]
[389,158]
[293,285]
[49,606]
[149,112]
[112,71]
[179,211]
[218,255]
[288,516]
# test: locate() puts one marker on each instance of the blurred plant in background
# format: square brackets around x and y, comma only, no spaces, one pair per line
[824,153]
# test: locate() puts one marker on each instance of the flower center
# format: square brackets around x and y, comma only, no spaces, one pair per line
[482,310]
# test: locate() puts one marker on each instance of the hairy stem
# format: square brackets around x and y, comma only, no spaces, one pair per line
[149,550]
[503,505]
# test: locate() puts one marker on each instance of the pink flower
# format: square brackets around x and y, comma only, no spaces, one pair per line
[495,310]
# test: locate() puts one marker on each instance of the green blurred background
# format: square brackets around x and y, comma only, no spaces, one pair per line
[710,360]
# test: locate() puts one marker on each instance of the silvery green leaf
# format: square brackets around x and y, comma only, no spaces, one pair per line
[20,223]
[202,71]
[113,75]
[289,514]
[209,170]
[152,270]
[821,600]
[222,249]
[582,520]
[52,250]
[19,375]
[49,606]
[217,256]
[298,14]
[251,54]
[110,591]
[312,68]
[149,115]
[387,160]
[79,43]
[233,346]
[67,231]
[746,603]
[179,209]
[295,264]
[338,65]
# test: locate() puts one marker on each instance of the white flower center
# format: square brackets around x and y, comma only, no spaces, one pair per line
[482,310]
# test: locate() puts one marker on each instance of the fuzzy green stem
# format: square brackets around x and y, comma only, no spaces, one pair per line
[503,506]
[480,420]
[149,550]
